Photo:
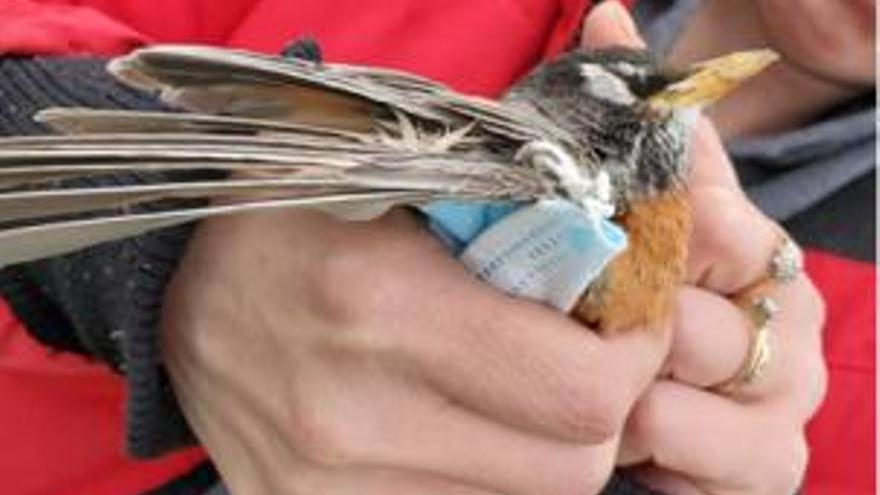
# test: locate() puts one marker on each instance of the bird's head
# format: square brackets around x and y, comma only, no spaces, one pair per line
[632,113]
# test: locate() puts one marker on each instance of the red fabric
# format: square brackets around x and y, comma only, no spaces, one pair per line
[572,12]
[60,425]
[843,433]
[450,40]
[28,27]
[63,414]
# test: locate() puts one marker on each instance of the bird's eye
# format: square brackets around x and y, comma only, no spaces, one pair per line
[627,69]
[649,84]
[645,80]
[604,84]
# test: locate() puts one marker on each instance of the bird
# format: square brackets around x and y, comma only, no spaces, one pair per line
[606,130]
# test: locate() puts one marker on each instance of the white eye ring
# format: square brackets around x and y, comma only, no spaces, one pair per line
[625,69]
[605,85]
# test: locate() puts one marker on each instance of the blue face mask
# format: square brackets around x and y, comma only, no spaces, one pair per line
[549,251]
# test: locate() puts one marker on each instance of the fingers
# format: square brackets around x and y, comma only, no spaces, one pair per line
[795,379]
[610,24]
[732,243]
[472,450]
[513,361]
[348,416]
[800,363]
[712,339]
[664,481]
[510,360]
[710,165]
[367,417]
[382,481]
[725,447]
[539,371]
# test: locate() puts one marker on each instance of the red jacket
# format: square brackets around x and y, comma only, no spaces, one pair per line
[63,414]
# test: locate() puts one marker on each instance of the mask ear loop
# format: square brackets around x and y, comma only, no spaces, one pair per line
[590,192]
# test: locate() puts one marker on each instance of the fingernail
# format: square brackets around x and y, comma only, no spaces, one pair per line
[609,23]
[624,20]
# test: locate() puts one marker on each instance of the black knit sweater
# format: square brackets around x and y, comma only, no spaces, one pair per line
[103,301]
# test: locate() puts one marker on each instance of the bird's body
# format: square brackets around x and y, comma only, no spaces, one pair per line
[265,132]
[645,157]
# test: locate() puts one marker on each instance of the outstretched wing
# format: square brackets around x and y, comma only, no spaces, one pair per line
[265,133]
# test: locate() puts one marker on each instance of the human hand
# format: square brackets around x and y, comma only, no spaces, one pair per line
[684,438]
[750,440]
[827,49]
[833,40]
[311,355]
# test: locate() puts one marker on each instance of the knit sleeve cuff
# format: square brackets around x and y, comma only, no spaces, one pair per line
[155,422]
[104,301]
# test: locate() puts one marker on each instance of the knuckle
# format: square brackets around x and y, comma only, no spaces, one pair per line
[718,229]
[790,466]
[590,476]
[591,413]
[591,486]
[589,426]
[807,375]
[813,383]
[321,441]
[816,308]
[296,479]
[329,278]
[355,283]
[596,478]
[820,388]
[591,483]
[340,286]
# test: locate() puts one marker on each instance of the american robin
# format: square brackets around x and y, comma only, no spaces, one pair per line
[605,130]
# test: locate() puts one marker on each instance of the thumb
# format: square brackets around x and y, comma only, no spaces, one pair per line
[710,165]
[610,24]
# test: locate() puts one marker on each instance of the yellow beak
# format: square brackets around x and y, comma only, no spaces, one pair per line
[713,79]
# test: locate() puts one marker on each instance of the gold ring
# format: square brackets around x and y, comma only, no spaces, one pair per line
[786,264]
[760,312]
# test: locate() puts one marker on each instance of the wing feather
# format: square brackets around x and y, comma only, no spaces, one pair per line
[240,83]
[217,80]
[285,133]
[445,177]
[22,244]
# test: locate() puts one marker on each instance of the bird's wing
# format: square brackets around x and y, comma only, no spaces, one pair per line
[266,173]
[276,133]
[245,84]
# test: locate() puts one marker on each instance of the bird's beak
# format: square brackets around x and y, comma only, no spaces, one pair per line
[713,79]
